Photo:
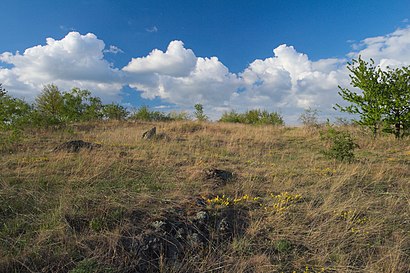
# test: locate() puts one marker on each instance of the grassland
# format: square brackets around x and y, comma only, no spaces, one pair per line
[288,207]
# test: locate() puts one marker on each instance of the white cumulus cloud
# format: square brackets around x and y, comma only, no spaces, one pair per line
[176,61]
[76,60]
[288,81]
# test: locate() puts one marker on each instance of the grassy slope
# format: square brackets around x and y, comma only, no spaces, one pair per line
[68,211]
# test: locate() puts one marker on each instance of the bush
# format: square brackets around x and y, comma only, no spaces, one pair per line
[180,116]
[309,117]
[143,113]
[199,112]
[14,113]
[54,107]
[341,144]
[231,116]
[253,117]
[114,111]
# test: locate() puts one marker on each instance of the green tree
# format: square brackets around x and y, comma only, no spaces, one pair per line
[94,109]
[369,103]
[143,113]
[396,100]
[385,96]
[74,104]
[114,111]
[199,112]
[2,90]
[309,117]
[80,106]
[14,112]
[50,105]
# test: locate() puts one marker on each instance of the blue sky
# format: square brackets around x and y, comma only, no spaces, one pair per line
[320,36]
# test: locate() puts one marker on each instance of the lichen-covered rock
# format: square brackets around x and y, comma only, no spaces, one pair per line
[220,176]
[176,233]
[75,146]
[151,133]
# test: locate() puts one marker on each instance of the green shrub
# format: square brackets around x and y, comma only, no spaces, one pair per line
[309,117]
[231,116]
[180,116]
[143,113]
[14,113]
[283,246]
[341,144]
[114,111]
[253,117]
[199,112]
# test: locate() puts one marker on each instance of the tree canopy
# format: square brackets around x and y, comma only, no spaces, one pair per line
[384,99]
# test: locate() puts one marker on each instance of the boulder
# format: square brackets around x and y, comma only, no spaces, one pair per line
[151,133]
[75,146]
[221,176]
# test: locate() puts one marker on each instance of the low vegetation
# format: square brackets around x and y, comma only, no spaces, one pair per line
[253,117]
[136,205]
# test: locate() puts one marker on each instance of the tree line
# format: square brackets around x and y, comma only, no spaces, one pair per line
[380,101]
[56,108]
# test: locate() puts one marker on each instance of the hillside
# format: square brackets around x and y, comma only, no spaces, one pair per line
[166,204]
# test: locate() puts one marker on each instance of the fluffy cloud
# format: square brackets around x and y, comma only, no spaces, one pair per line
[288,81]
[76,60]
[389,50]
[176,61]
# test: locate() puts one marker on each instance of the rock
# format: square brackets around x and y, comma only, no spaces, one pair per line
[201,216]
[76,146]
[147,244]
[158,225]
[224,226]
[219,175]
[150,133]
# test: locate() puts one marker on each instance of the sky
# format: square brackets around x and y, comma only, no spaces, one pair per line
[283,56]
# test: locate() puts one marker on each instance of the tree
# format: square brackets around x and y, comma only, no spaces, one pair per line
[50,105]
[368,105]
[94,110]
[74,104]
[385,97]
[80,106]
[396,99]
[309,117]
[2,90]
[199,112]
[114,111]
[14,112]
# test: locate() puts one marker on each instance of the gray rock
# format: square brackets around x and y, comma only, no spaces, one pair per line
[151,133]
[201,216]
[158,225]
[76,146]
[219,175]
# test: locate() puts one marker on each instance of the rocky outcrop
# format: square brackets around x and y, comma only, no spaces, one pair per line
[170,239]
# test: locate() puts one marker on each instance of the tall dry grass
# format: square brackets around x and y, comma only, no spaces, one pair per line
[67,211]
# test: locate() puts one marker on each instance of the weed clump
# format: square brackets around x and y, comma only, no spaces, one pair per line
[341,145]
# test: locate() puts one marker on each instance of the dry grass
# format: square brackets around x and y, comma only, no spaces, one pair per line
[69,211]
